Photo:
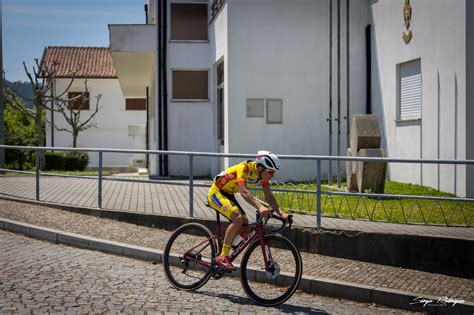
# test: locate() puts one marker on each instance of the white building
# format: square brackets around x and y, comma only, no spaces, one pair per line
[236,76]
[118,116]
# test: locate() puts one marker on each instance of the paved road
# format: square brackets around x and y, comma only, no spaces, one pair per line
[43,277]
[173,200]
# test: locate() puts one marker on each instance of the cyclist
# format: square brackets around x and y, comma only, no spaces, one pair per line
[237,179]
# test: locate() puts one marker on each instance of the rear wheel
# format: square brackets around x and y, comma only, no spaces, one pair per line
[275,283]
[186,254]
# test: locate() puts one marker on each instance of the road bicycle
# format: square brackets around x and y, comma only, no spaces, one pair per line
[270,269]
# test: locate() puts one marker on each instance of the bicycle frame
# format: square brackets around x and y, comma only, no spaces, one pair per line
[257,233]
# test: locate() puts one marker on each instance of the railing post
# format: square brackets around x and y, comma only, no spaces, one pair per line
[37,174]
[100,180]
[318,194]
[191,210]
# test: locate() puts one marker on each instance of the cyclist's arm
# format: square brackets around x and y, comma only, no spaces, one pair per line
[245,193]
[272,201]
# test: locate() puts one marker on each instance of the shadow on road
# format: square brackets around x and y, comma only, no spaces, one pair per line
[284,308]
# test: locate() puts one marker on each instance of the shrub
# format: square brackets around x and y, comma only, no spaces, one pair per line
[69,161]
[82,159]
[54,161]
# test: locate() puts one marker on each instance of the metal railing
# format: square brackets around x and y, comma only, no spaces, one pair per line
[317,193]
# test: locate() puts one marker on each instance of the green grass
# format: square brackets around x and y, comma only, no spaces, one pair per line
[378,209]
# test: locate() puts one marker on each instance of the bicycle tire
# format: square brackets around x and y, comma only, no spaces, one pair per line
[172,263]
[291,279]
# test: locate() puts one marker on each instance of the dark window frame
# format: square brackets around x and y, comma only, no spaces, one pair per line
[180,90]
[135,103]
[184,27]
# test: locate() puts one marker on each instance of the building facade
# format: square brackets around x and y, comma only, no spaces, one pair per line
[236,76]
[119,118]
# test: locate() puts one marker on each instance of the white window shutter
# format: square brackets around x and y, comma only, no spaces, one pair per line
[410,90]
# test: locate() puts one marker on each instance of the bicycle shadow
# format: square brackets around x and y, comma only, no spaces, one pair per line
[283,308]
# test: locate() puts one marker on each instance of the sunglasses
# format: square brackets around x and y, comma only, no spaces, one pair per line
[271,172]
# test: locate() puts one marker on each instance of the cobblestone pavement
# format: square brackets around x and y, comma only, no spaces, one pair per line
[43,277]
[314,265]
[173,199]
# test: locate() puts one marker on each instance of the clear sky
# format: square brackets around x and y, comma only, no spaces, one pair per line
[31,25]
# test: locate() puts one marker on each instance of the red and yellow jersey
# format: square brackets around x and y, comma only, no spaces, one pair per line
[243,173]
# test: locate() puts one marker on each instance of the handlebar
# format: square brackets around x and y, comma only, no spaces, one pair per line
[277,217]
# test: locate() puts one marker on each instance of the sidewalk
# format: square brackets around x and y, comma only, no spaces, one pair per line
[337,277]
[173,200]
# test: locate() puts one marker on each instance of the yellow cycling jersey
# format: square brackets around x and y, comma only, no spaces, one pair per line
[243,173]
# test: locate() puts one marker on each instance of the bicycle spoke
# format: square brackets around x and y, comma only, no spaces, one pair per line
[276,282]
[188,255]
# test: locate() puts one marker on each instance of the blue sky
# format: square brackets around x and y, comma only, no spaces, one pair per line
[31,25]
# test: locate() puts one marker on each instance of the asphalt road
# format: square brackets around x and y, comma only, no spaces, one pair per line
[43,277]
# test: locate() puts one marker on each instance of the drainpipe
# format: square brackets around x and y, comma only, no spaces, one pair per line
[329,119]
[348,112]
[165,88]
[146,13]
[338,92]
[52,111]
[368,65]
[147,136]
[159,21]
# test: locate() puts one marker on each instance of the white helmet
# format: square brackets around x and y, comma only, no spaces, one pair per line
[268,160]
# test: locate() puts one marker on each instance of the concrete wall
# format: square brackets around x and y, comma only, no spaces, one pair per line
[190,124]
[218,40]
[280,49]
[470,95]
[112,122]
[439,42]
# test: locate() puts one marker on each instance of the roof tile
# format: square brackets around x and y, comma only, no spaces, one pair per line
[85,62]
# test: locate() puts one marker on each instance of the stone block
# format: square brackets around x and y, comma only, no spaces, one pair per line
[17,227]
[371,175]
[44,234]
[351,170]
[365,133]
[73,240]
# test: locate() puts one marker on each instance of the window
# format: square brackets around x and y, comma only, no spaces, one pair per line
[255,107]
[410,96]
[79,101]
[190,85]
[135,104]
[274,111]
[189,22]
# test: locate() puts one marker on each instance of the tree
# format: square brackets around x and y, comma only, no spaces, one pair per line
[71,110]
[19,130]
[42,82]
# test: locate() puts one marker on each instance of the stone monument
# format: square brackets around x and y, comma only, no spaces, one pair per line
[365,142]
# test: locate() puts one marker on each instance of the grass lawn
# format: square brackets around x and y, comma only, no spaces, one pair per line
[377,209]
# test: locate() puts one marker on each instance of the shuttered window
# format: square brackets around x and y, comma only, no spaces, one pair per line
[410,97]
[189,22]
[135,104]
[190,85]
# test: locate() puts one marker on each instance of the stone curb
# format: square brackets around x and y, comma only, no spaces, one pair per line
[308,284]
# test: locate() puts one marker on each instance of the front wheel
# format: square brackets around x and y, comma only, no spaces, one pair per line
[188,255]
[276,282]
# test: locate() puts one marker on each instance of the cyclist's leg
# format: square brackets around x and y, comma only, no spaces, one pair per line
[244,231]
[232,212]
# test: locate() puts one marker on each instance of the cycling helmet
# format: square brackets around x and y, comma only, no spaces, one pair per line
[268,160]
